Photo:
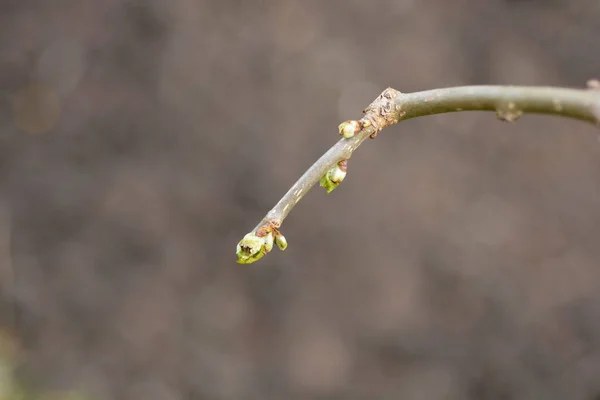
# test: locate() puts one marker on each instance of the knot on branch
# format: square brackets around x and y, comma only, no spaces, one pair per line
[382,112]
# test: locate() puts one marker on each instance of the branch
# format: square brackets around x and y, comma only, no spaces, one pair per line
[509,103]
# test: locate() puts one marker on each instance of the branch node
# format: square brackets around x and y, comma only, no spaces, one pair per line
[382,112]
[508,112]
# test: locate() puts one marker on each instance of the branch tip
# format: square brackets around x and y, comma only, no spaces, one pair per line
[256,244]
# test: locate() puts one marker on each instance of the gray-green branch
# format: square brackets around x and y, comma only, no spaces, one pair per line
[509,103]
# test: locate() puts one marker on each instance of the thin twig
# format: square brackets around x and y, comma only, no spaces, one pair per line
[509,103]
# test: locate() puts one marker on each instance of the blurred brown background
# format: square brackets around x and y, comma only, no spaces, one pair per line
[141,139]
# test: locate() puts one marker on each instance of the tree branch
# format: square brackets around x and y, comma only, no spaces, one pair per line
[390,107]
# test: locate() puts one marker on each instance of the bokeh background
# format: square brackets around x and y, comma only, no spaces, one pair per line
[141,139]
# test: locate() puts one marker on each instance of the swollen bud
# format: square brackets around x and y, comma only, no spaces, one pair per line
[253,247]
[257,243]
[349,128]
[280,241]
[334,176]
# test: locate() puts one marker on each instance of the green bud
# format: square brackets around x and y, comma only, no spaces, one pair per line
[349,128]
[257,243]
[326,183]
[334,176]
[252,247]
[280,241]
[268,243]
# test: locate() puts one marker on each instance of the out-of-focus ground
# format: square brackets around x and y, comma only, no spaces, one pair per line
[140,140]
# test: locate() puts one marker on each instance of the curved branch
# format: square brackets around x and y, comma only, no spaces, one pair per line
[509,103]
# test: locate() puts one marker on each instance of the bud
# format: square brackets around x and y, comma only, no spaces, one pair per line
[349,128]
[280,241]
[253,247]
[334,176]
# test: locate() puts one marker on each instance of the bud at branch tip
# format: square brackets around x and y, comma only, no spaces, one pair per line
[256,244]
